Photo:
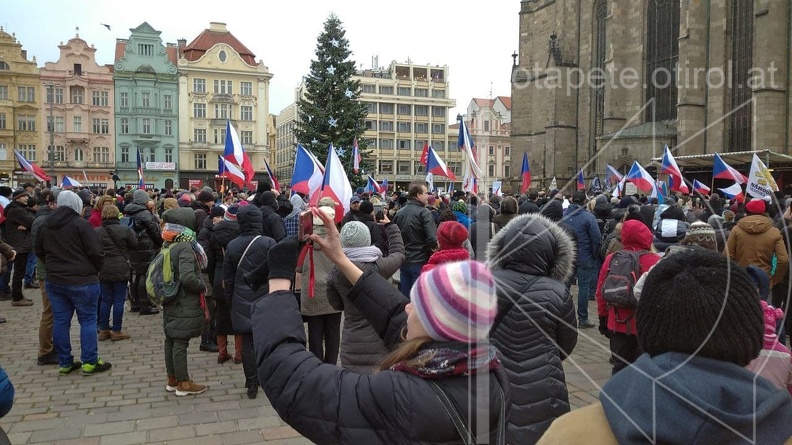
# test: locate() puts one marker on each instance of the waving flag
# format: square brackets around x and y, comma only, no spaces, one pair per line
[69,183]
[31,168]
[581,181]
[721,170]
[466,143]
[735,192]
[700,188]
[525,173]
[761,183]
[596,185]
[235,154]
[436,166]
[272,178]
[641,178]
[384,186]
[425,154]
[355,156]
[371,185]
[141,181]
[670,167]
[307,175]
[497,188]
[335,183]
[619,190]
[230,171]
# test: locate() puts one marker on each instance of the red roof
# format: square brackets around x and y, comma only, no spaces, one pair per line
[506,101]
[207,39]
[483,103]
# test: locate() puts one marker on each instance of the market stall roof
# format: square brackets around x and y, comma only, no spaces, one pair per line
[734,158]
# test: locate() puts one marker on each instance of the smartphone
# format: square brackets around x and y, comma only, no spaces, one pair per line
[306,225]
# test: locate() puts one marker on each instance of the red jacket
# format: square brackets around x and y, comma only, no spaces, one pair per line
[95,219]
[635,236]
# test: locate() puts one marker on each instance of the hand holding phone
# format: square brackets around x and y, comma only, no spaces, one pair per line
[306,226]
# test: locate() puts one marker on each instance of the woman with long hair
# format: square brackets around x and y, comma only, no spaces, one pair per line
[443,384]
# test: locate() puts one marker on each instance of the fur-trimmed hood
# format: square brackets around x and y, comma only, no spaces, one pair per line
[534,245]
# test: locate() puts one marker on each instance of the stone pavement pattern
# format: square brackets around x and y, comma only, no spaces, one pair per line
[129,405]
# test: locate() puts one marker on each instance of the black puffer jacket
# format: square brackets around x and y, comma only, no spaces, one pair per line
[419,231]
[272,224]
[530,259]
[17,214]
[117,242]
[148,236]
[328,404]
[221,235]
[242,297]
[70,248]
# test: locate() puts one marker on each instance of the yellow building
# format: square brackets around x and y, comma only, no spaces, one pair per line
[220,80]
[20,87]
[285,144]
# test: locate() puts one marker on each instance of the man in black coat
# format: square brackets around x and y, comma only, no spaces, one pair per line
[18,223]
[272,224]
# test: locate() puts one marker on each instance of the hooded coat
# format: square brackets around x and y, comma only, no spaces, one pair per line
[70,248]
[531,258]
[117,242]
[16,215]
[754,240]
[147,232]
[235,266]
[680,399]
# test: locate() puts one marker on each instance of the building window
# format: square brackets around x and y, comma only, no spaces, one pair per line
[403,167]
[246,88]
[246,113]
[168,128]
[246,137]
[4,66]
[26,94]
[222,111]
[386,108]
[386,126]
[78,69]
[219,135]
[28,152]
[455,167]
[741,33]
[2,121]
[167,100]
[405,127]
[600,53]
[370,125]
[50,125]
[26,122]
[386,89]
[96,126]
[386,166]
[404,144]
[404,91]
[124,154]
[59,153]
[145,49]
[662,54]
[404,110]
[146,126]
[421,110]
[123,98]
[3,92]
[421,92]
[438,145]
[386,144]
[199,111]
[419,168]
[101,155]
[491,150]
[491,170]
[58,95]
[369,89]
[438,111]
[60,126]
[168,155]
[507,171]
[145,99]
[101,126]
[421,127]
[76,94]
[371,107]
[199,86]
[437,128]
[97,98]
[200,161]
[105,124]
[199,135]
[439,94]
[77,124]
[223,86]
[152,155]
[486,125]
[79,155]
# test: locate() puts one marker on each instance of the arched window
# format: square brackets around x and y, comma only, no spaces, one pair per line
[741,45]
[598,67]
[4,66]
[662,54]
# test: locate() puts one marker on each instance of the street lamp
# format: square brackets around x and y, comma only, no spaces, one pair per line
[51,152]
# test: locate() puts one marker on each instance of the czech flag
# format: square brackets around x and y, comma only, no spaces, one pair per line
[335,183]
[355,156]
[670,167]
[581,181]
[464,142]
[721,170]
[235,154]
[735,192]
[307,174]
[612,175]
[272,178]
[436,166]
[70,182]
[141,182]
[700,188]
[228,169]
[371,185]
[641,178]
[384,186]
[525,173]
[31,168]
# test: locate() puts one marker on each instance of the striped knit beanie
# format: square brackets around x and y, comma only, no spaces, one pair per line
[456,301]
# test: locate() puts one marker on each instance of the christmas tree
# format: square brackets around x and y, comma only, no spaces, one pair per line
[330,111]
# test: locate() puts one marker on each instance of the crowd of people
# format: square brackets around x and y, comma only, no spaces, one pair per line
[450,315]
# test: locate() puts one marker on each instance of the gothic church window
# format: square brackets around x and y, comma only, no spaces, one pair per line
[662,54]
[741,46]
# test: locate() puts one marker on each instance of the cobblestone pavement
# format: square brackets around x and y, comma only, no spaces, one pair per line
[129,405]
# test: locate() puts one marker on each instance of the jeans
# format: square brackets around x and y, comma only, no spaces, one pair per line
[409,275]
[65,300]
[176,358]
[113,296]
[327,328]
[20,263]
[587,273]
[30,269]
[45,325]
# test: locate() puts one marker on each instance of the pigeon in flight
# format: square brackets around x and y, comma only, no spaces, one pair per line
[106,26]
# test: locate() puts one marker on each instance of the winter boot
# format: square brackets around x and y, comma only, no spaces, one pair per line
[237,349]
[189,388]
[172,384]
[104,334]
[222,345]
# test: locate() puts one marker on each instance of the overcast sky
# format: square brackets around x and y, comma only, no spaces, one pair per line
[475,41]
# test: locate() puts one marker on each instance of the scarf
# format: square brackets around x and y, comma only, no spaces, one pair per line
[367,254]
[438,363]
[176,233]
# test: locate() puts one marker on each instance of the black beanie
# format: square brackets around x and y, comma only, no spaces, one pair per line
[268,199]
[700,302]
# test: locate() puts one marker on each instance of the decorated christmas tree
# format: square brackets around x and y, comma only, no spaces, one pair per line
[330,111]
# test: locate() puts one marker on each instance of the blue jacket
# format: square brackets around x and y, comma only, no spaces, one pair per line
[589,238]
[6,393]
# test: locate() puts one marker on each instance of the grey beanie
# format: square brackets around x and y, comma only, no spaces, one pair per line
[140,197]
[355,234]
[67,198]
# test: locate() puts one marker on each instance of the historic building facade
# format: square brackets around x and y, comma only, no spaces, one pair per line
[146,108]
[20,121]
[488,122]
[77,103]
[599,82]
[220,80]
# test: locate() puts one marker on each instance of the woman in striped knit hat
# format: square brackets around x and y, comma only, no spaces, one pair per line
[425,390]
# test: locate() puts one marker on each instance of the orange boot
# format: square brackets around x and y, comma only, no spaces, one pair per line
[222,345]
[237,349]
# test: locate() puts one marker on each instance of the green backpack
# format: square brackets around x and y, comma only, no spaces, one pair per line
[162,284]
